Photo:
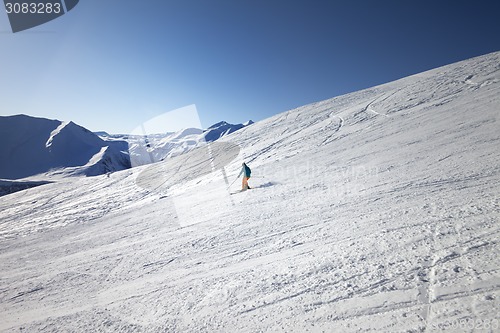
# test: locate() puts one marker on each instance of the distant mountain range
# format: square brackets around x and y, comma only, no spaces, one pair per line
[145,149]
[33,146]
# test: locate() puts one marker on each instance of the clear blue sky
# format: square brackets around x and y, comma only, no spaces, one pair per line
[113,64]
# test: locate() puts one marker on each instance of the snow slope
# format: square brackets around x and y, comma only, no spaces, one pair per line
[32,146]
[374,211]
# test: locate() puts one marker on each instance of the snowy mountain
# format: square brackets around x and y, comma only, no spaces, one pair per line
[147,149]
[33,146]
[222,129]
[374,211]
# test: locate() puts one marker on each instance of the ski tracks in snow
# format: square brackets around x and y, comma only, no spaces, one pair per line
[369,107]
[335,125]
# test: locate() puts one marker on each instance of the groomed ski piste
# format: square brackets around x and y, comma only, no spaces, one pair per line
[376,211]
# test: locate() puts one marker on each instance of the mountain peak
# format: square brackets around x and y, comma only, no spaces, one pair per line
[219,124]
[220,129]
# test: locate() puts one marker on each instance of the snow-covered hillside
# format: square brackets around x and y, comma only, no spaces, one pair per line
[374,211]
[154,147]
[31,146]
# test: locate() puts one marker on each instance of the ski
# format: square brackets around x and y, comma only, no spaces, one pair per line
[238,191]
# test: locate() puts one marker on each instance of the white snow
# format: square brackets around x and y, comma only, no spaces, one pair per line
[55,132]
[374,211]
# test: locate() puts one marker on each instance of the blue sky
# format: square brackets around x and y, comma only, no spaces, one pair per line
[112,65]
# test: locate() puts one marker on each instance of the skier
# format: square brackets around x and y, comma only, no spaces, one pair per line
[245,170]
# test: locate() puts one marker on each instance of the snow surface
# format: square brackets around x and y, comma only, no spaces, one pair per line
[376,211]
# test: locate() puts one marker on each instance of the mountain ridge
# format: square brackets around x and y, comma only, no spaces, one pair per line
[151,148]
[34,145]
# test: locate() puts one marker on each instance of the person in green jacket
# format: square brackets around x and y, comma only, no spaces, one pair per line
[246,172]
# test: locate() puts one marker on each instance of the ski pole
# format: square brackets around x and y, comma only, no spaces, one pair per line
[233,182]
